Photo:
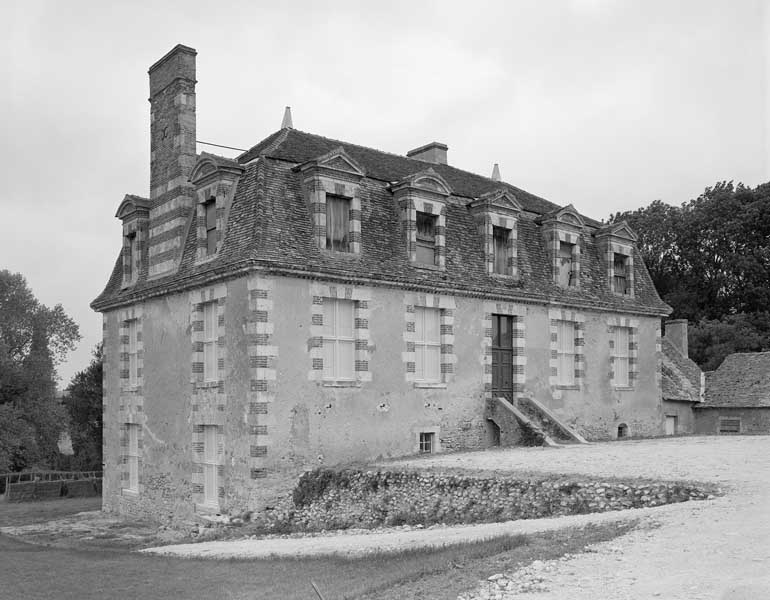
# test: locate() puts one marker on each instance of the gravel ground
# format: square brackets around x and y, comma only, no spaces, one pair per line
[717,548]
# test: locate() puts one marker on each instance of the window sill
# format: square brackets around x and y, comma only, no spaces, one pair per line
[623,388]
[572,386]
[129,493]
[206,385]
[208,509]
[427,267]
[340,254]
[430,385]
[206,259]
[334,383]
[506,276]
[131,389]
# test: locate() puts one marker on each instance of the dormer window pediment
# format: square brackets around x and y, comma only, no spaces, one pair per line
[427,181]
[336,165]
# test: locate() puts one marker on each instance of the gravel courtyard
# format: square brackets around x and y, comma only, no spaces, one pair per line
[717,548]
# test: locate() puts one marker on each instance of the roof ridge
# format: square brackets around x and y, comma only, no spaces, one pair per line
[409,158]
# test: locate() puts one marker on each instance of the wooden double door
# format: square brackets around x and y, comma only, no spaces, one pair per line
[502,357]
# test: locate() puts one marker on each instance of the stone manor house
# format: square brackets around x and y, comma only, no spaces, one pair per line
[314,301]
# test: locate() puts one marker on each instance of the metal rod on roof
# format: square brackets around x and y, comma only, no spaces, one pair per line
[221,146]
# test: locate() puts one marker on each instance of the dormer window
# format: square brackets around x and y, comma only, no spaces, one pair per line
[210,211]
[134,212]
[133,256]
[331,187]
[620,270]
[562,230]
[567,275]
[337,224]
[616,243]
[497,214]
[500,258]
[422,202]
[426,238]
[215,180]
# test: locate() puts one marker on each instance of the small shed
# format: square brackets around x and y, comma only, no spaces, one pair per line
[737,398]
[681,380]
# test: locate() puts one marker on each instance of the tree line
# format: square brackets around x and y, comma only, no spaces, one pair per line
[34,340]
[710,261]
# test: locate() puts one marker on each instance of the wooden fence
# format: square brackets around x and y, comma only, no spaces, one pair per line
[40,485]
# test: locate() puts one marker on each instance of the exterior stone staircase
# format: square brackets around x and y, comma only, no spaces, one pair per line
[527,422]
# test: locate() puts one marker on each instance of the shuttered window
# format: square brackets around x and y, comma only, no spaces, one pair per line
[500,247]
[565,338]
[620,353]
[427,344]
[426,238]
[210,463]
[566,275]
[210,330]
[620,275]
[211,227]
[133,457]
[133,365]
[337,224]
[339,342]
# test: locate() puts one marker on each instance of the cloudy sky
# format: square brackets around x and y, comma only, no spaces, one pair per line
[604,104]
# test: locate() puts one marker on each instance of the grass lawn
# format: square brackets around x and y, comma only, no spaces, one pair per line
[27,513]
[37,572]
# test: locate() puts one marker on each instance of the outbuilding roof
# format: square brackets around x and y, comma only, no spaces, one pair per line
[741,381]
[681,376]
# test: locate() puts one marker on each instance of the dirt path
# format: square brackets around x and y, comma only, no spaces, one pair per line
[713,549]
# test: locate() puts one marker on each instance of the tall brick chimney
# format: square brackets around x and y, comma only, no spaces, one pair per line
[172,155]
[676,333]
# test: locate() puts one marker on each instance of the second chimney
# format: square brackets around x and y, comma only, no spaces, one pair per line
[435,153]
[676,333]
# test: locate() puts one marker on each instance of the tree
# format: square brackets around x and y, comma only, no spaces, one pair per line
[710,260]
[33,340]
[710,341]
[84,405]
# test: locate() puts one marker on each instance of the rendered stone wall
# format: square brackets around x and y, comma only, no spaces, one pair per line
[753,420]
[329,499]
[684,413]
[280,419]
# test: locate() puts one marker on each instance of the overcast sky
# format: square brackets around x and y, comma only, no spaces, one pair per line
[608,105]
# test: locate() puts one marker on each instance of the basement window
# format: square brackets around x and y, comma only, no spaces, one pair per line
[427,439]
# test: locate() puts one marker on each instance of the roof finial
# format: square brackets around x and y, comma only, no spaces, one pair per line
[286,123]
[496,173]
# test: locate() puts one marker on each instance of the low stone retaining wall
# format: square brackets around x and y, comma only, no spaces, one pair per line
[339,499]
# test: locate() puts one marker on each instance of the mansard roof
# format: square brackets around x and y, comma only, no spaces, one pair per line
[269,227]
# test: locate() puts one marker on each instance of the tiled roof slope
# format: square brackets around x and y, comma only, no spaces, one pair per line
[269,226]
[681,376]
[741,381]
[299,147]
